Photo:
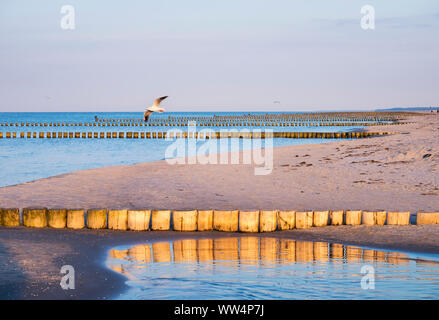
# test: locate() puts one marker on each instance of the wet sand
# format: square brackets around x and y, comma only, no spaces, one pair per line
[32,258]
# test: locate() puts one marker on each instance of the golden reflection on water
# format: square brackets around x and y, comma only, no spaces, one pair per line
[250,251]
[161,252]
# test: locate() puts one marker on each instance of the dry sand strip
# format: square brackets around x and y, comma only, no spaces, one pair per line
[398,172]
[32,258]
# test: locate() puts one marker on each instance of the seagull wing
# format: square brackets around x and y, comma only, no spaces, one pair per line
[146,115]
[158,100]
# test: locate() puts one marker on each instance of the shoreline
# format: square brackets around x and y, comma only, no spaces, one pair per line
[303,141]
[391,173]
[35,256]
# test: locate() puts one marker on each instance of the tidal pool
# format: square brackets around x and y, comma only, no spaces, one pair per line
[270,268]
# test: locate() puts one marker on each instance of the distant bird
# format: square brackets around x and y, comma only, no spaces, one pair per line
[154,108]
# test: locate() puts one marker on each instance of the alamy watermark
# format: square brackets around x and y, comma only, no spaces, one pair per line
[202,147]
[67,21]
[368,281]
[68,280]
[367,21]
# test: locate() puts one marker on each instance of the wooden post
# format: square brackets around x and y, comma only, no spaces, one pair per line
[185,220]
[427,218]
[353,218]
[225,220]
[369,218]
[268,221]
[75,218]
[380,217]
[118,219]
[10,217]
[398,218]
[161,220]
[304,219]
[336,218]
[286,220]
[205,220]
[97,218]
[57,218]
[320,218]
[35,218]
[138,220]
[249,221]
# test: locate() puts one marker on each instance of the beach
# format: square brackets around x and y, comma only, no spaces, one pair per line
[398,172]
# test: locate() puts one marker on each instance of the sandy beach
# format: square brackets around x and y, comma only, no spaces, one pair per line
[396,172]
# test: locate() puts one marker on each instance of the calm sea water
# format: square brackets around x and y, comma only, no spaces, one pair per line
[270,268]
[24,160]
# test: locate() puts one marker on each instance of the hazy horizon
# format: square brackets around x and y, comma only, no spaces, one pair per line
[237,56]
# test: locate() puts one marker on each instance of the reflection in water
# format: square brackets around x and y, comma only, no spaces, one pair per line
[269,268]
[161,252]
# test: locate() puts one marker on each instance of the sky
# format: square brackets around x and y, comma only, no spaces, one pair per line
[211,55]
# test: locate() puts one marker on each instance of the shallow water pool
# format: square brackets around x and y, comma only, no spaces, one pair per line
[270,268]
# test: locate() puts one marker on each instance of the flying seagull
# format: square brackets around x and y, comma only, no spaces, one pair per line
[154,108]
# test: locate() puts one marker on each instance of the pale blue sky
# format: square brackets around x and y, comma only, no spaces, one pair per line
[204,54]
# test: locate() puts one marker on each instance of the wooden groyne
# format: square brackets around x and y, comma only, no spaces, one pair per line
[166,123]
[297,117]
[204,220]
[191,135]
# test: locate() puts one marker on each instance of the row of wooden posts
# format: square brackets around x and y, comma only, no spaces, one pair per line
[185,135]
[353,116]
[201,124]
[320,115]
[245,119]
[203,220]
